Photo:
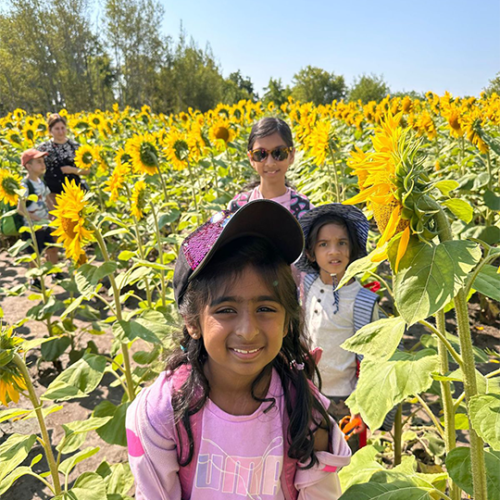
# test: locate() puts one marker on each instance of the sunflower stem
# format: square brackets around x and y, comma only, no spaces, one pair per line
[489,213]
[140,248]
[141,253]
[163,185]
[478,464]
[462,156]
[398,433]
[216,176]
[431,415]
[441,335]
[118,313]
[448,409]
[160,255]
[192,189]
[47,446]
[470,386]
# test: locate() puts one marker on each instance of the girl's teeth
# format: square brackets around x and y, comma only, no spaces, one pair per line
[246,352]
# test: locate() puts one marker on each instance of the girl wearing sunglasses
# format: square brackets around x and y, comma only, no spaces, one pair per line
[271,152]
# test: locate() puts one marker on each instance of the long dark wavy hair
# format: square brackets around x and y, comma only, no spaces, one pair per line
[305,411]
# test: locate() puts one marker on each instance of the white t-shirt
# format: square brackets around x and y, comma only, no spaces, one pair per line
[39,207]
[328,331]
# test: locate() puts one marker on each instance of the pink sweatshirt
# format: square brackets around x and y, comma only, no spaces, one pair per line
[239,457]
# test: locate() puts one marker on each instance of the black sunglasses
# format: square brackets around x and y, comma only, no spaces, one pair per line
[279,154]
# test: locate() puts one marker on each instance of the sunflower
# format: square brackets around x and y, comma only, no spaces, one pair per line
[144,153]
[41,127]
[11,380]
[102,164]
[318,141]
[183,117]
[406,104]
[122,157]
[9,183]
[19,114]
[95,120]
[30,134]
[138,201]
[10,386]
[70,211]
[117,180]
[383,177]
[454,123]
[426,125]
[14,137]
[221,133]
[85,156]
[177,149]
[222,110]
[472,125]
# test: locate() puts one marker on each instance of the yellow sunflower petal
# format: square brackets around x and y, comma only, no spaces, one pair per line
[379,254]
[391,227]
[403,245]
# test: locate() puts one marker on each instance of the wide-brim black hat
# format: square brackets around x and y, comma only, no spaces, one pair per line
[261,218]
[347,212]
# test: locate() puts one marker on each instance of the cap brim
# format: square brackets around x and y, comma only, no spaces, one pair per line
[265,219]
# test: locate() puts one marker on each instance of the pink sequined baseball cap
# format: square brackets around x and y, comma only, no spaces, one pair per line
[261,218]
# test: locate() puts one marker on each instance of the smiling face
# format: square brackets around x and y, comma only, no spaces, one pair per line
[270,170]
[242,329]
[331,252]
[58,132]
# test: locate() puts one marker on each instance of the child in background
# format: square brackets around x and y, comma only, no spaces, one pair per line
[271,152]
[335,237]
[236,414]
[34,211]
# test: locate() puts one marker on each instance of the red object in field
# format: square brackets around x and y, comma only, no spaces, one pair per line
[374,286]
[348,424]
[362,439]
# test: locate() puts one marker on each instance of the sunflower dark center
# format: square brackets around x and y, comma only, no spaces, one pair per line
[149,154]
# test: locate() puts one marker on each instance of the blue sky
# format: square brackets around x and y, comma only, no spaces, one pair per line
[420,45]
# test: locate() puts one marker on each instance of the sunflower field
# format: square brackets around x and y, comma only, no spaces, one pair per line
[426,173]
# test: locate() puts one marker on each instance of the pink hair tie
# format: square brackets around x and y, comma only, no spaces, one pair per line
[298,366]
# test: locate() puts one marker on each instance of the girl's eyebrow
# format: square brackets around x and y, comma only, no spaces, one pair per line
[325,239]
[238,299]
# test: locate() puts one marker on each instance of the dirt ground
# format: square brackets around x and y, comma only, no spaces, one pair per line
[15,308]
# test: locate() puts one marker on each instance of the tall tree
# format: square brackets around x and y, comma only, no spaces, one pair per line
[316,85]
[237,88]
[275,92]
[196,77]
[494,85]
[368,88]
[137,47]
[53,44]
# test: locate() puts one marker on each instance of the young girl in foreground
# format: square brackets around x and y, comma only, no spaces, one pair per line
[335,237]
[271,153]
[236,414]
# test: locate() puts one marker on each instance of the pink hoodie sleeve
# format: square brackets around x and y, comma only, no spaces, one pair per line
[321,482]
[151,444]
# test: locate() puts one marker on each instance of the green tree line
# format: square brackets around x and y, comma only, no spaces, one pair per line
[54,55]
